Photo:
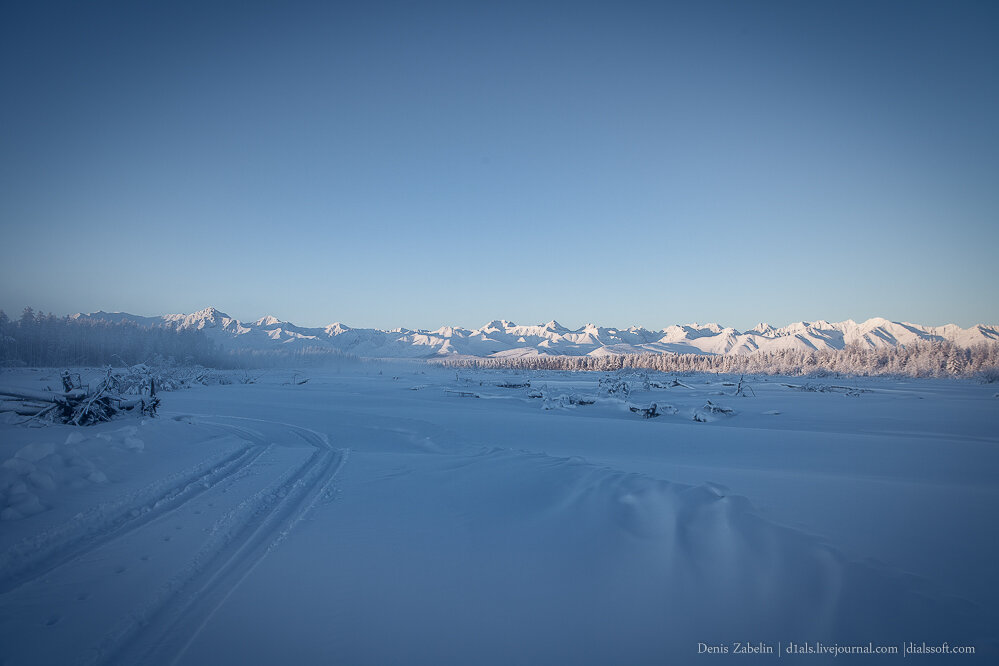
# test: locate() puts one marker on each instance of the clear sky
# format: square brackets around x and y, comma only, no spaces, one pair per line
[414,164]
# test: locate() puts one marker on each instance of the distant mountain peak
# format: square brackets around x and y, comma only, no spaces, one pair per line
[498,325]
[336,328]
[504,338]
[209,313]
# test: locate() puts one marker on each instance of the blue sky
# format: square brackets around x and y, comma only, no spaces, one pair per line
[415,164]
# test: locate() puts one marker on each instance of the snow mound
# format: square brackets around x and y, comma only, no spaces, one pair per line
[125,438]
[41,470]
[719,567]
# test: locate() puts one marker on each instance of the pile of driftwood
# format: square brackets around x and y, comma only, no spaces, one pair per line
[76,404]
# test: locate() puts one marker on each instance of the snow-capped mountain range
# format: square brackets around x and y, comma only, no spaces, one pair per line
[506,339]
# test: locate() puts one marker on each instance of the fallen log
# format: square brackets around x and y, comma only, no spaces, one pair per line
[461,394]
[43,396]
[23,408]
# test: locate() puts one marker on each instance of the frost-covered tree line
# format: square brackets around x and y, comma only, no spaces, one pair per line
[36,339]
[924,359]
[45,340]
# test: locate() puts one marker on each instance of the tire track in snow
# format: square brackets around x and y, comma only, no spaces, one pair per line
[30,560]
[182,609]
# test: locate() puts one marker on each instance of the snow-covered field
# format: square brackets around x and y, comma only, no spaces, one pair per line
[406,514]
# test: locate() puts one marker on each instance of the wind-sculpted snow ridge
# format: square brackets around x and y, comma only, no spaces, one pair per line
[700,561]
[501,339]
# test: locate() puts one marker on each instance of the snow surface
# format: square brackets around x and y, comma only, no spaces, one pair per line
[506,339]
[404,514]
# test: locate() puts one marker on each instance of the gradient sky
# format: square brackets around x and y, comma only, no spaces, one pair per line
[415,164]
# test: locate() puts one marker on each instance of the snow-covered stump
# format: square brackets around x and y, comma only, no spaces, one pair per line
[742,387]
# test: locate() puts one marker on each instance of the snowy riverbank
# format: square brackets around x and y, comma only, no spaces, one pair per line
[403,514]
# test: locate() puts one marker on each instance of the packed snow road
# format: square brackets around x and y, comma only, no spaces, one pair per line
[427,516]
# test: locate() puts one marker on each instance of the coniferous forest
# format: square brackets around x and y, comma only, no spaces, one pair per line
[37,339]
